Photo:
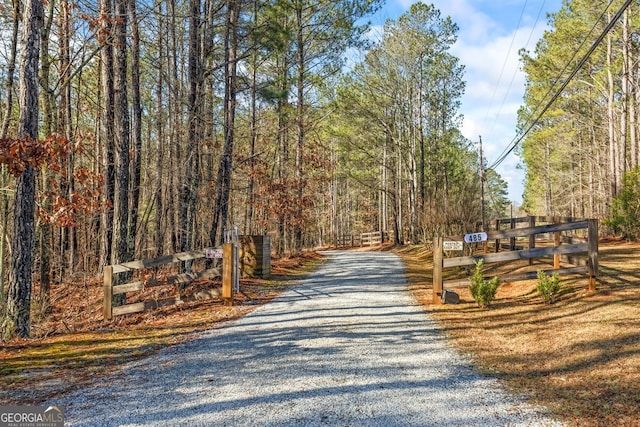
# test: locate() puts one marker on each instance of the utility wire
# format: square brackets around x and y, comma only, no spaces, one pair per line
[518,139]
[513,144]
[513,76]
[504,64]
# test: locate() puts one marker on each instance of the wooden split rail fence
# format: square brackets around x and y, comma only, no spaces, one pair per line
[374,238]
[226,271]
[348,241]
[371,239]
[574,246]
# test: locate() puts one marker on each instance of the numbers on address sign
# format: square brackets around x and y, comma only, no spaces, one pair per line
[475,237]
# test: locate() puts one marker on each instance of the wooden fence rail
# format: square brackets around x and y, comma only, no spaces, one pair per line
[363,239]
[371,239]
[575,246]
[227,272]
[531,221]
[348,241]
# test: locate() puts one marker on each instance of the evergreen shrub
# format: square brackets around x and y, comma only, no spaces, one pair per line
[548,286]
[483,291]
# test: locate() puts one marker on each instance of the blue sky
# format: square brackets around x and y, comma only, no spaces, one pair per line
[488,43]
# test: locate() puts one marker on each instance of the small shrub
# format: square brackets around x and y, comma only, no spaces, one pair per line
[548,286]
[483,291]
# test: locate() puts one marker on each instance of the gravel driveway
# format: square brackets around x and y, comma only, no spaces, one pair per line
[348,346]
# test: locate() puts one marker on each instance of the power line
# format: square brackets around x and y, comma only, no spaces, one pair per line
[514,143]
[506,59]
[515,71]
[518,139]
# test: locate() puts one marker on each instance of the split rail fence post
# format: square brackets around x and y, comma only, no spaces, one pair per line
[227,273]
[592,262]
[437,270]
[532,237]
[556,242]
[107,280]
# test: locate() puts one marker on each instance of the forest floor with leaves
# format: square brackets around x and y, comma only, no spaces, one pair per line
[580,356]
[73,345]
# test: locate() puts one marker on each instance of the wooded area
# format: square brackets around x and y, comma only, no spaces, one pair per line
[134,129]
[581,158]
[141,128]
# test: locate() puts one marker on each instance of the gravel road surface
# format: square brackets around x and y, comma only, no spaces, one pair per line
[348,346]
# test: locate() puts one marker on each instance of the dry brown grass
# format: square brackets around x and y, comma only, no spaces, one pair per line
[580,357]
[74,346]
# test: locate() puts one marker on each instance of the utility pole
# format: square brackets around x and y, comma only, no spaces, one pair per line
[482,186]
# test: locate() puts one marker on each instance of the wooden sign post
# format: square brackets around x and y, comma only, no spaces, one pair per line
[437,270]
[108,291]
[227,273]
[592,254]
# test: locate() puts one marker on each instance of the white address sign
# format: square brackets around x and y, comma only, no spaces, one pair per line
[475,237]
[450,245]
[213,253]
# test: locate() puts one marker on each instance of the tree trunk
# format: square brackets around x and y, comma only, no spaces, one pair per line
[175,122]
[398,191]
[105,39]
[632,98]
[11,68]
[46,229]
[159,234]
[613,146]
[283,151]
[300,122]
[624,99]
[120,251]
[4,176]
[188,191]
[18,317]
[421,162]
[248,222]
[384,198]
[221,209]
[136,173]
[68,242]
